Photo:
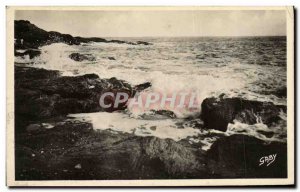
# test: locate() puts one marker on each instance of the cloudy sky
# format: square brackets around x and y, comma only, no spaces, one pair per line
[159,23]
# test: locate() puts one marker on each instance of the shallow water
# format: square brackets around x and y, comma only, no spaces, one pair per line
[250,68]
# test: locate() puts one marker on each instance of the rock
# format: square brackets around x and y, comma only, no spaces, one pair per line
[280,92]
[158,114]
[143,43]
[111,58]
[166,113]
[82,57]
[104,155]
[31,52]
[33,127]
[240,156]
[42,94]
[91,39]
[28,35]
[142,86]
[218,112]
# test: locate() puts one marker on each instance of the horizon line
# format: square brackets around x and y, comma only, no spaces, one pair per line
[244,36]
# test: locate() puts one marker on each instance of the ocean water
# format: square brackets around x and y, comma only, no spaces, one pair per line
[249,67]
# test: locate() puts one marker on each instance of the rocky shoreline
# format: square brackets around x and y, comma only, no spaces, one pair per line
[29,36]
[74,150]
[48,147]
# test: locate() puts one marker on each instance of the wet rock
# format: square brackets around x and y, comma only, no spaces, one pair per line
[218,112]
[91,154]
[82,57]
[143,43]
[158,114]
[280,92]
[142,86]
[42,94]
[28,35]
[91,39]
[241,156]
[33,127]
[111,58]
[30,52]
[166,113]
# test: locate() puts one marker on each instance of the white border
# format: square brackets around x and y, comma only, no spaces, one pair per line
[175,182]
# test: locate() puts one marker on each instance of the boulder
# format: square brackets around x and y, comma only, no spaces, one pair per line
[111,58]
[82,57]
[33,127]
[32,53]
[240,156]
[218,112]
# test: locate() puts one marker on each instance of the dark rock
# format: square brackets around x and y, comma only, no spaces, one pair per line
[27,35]
[143,43]
[239,156]
[82,57]
[111,58]
[40,93]
[91,39]
[166,113]
[103,155]
[158,115]
[218,112]
[31,52]
[281,92]
[29,73]
[142,86]
[33,127]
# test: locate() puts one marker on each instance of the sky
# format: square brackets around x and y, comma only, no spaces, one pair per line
[150,23]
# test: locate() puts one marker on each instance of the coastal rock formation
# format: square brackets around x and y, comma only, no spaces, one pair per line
[82,57]
[240,156]
[44,93]
[143,43]
[57,153]
[29,36]
[30,52]
[218,112]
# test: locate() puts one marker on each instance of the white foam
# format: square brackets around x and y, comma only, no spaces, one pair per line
[257,131]
[120,122]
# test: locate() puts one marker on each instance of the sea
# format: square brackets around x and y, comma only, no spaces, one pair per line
[252,68]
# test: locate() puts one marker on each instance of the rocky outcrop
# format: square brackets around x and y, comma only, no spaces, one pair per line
[40,93]
[82,57]
[32,53]
[218,112]
[74,151]
[143,43]
[29,36]
[241,156]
